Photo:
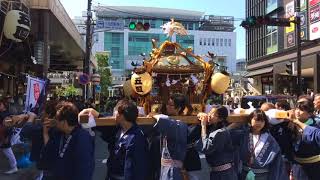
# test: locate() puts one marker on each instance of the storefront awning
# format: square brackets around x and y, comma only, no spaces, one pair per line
[259,72]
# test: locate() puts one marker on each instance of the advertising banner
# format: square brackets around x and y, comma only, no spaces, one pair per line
[303,17]
[314,32]
[314,19]
[290,9]
[290,14]
[291,27]
[314,14]
[290,40]
[313,2]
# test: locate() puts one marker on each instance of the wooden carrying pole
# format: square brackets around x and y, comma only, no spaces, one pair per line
[110,121]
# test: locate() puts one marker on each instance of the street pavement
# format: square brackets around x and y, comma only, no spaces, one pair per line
[101,151]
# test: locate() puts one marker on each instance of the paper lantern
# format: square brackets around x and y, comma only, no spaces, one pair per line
[141,83]
[127,89]
[220,83]
[17,25]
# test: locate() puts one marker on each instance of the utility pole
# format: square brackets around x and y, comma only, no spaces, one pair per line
[86,62]
[298,45]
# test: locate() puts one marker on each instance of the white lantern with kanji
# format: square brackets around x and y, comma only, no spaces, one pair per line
[17,25]
[141,83]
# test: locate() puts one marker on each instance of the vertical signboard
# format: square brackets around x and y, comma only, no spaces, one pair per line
[314,19]
[290,31]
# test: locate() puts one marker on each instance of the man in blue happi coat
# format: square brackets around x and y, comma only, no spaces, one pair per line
[128,159]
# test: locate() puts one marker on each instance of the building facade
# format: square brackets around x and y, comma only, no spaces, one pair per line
[53,44]
[128,47]
[270,49]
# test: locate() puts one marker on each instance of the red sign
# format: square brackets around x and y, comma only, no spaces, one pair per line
[36,90]
[313,2]
[315,29]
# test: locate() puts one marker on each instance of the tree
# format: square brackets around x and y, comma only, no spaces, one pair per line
[67,91]
[104,72]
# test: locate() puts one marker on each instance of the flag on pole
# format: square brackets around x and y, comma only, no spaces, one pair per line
[35,94]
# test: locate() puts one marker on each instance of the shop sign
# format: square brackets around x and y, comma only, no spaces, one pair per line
[314,31]
[303,17]
[290,40]
[304,33]
[115,25]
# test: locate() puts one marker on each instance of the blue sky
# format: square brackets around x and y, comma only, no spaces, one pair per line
[234,8]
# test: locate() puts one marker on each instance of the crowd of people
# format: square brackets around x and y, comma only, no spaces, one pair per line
[262,149]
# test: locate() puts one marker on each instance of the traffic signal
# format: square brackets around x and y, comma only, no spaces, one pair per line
[139,26]
[289,68]
[258,21]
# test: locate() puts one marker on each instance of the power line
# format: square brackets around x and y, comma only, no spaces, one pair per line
[153,17]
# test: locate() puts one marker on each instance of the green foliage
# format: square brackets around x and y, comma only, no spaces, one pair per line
[104,72]
[67,91]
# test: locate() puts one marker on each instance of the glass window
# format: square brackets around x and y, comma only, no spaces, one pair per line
[96,37]
[190,26]
[153,24]
[209,41]
[269,40]
[185,41]
[115,51]
[229,42]
[115,38]
[200,41]
[140,42]
[213,41]
[274,39]
[217,42]
[221,61]
[225,42]
[204,41]
[221,42]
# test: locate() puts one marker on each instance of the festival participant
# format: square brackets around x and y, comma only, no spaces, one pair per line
[129,158]
[192,162]
[217,144]
[280,132]
[267,106]
[316,103]
[306,149]
[5,143]
[173,141]
[70,150]
[282,104]
[33,131]
[259,152]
